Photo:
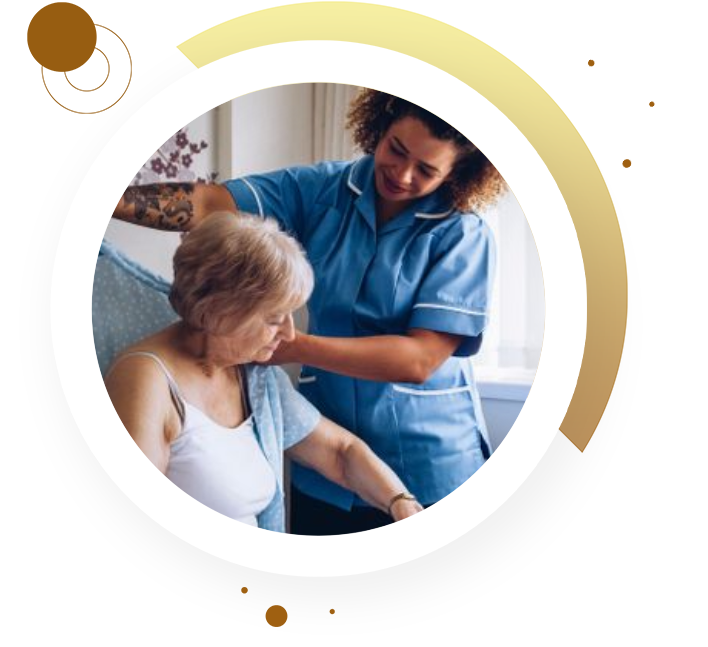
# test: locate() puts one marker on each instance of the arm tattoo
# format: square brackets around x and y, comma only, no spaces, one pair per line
[162,206]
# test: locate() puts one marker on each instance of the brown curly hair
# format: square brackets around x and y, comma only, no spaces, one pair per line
[474,182]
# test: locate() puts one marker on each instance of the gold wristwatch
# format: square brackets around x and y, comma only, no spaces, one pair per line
[401,495]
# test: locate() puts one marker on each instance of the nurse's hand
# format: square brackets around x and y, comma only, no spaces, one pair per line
[404,508]
[287,352]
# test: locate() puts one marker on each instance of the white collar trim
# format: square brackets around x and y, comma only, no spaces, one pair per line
[350,179]
[434,216]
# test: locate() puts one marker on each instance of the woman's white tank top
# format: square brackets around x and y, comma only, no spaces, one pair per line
[223,468]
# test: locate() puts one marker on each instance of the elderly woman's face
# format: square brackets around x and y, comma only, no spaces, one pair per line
[256,340]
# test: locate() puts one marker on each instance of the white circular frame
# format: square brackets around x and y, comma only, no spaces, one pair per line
[196,92]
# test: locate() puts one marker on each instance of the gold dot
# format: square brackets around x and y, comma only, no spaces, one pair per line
[331,611]
[627,163]
[244,589]
[591,62]
[651,104]
[276,616]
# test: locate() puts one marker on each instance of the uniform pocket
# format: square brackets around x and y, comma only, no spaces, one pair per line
[436,420]
[440,437]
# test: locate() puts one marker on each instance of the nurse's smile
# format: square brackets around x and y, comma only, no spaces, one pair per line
[393,187]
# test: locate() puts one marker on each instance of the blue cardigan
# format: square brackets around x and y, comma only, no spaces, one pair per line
[130,303]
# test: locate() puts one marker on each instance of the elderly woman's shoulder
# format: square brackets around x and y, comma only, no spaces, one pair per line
[272,383]
[280,410]
[263,375]
[147,358]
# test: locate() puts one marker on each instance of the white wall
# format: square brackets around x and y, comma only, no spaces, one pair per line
[272,129]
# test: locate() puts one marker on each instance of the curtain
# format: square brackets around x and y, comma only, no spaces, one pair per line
[331,138]
[515,333]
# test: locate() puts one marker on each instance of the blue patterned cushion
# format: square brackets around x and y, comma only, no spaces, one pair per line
[129,303]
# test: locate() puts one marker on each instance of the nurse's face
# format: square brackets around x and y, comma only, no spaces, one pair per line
[410,163]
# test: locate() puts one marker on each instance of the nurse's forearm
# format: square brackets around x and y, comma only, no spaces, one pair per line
[177,206]
[385,358]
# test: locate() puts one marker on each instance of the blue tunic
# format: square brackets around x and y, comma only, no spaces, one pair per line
[430,267]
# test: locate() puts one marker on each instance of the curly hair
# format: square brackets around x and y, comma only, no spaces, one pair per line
[229,269]
[474,182]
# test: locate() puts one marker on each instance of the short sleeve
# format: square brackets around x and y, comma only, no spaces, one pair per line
[455,294]
[299,416]
[287,195]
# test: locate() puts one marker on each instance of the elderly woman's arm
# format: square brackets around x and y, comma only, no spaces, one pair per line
[176,206]
[141,398]
[344,459]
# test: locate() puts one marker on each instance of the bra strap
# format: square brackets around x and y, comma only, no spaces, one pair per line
[171,383]
[243,390]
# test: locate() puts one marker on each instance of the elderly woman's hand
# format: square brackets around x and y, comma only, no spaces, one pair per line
[404,508]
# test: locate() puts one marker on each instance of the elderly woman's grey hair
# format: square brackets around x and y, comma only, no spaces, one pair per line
[233,267]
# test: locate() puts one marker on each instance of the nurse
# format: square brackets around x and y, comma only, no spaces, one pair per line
[403,270]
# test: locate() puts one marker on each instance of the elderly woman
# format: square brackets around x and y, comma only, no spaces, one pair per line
[211,419]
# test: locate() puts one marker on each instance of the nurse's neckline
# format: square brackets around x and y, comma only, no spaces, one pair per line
[358,180]
[387,211]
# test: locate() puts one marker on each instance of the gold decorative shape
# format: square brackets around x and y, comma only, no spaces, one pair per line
[276,616]
[651,104]
[244,589]
[627,163]
[85,64]
[591,63]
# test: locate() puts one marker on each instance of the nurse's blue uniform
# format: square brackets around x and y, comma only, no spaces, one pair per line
[430,267]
